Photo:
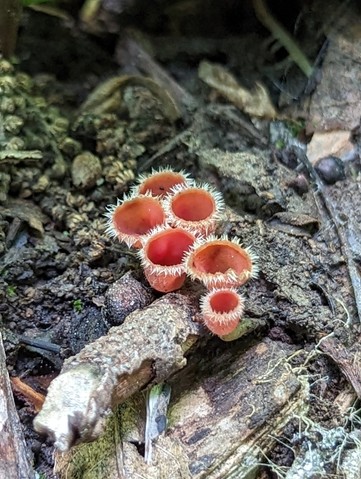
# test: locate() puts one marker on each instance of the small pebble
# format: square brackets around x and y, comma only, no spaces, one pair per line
[291,157]
[330,169]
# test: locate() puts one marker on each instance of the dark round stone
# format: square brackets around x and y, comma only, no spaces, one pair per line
[330,169]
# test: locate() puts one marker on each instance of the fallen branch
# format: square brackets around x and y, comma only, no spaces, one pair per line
[148,347]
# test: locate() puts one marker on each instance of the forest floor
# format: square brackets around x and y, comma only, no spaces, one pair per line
[233,111]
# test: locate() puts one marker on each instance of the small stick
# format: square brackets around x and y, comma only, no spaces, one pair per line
[280,34]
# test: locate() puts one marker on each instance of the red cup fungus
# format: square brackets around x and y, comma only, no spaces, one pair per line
[220,262]
[160,182]
[133,217]
[170,219]
[196,208]
[222,309]
[162,257]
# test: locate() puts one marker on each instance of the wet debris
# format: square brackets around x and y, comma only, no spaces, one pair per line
[87,326]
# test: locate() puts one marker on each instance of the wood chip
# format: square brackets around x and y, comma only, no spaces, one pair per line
[32,397]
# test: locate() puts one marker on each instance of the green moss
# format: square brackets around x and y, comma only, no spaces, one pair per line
[11,291]
[78,305]
[295,127]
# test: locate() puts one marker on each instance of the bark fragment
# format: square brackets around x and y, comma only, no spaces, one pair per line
[150,345]
[226,407]
[14,461]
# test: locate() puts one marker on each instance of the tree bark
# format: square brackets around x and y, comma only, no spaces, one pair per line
[14,460]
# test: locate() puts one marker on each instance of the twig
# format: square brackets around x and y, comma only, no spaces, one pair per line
[280,34]
[149,345]
[330,210]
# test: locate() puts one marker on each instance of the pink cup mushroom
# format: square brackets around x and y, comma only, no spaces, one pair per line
[134,217]
[196,208]
[162,257]
[222,310]
[159,183]
[220,263]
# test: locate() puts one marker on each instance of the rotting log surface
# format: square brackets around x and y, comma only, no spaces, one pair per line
[149,345]
[225,408]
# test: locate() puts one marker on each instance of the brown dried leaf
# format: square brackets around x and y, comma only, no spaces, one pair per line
[25,211]
[108,96]
[254,102]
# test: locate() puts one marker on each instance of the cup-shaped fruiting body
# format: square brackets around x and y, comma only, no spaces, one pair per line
[162,257]
[160,182]
[196,208]
[133,218]
[222,310]
[220,262]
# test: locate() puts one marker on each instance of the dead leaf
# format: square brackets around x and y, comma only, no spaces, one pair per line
[26,211]
[108,96]
[255,102]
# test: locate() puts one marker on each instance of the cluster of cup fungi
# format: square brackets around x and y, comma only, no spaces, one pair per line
[171,220]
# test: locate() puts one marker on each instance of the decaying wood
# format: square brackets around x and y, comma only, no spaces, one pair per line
[149,345]
[229,403]
[347,359]
[10,13]
[337,204]
[225,410]
[335,105]
[14,460]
